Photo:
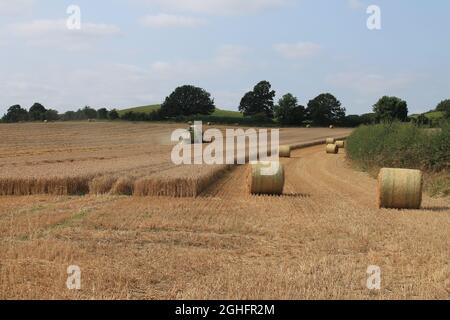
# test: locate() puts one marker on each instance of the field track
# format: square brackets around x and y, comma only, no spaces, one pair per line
[315,241]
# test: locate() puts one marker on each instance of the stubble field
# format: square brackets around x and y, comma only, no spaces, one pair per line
[314,242]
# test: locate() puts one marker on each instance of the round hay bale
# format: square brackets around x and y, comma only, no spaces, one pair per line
[285,151]
[330,140]
[332,149]
[266,178]
[400,188]
[340,144]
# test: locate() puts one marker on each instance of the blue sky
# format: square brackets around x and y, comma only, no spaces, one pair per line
[135,52]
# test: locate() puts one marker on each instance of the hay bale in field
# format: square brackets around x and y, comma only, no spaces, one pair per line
[332,149]
[340,144]
[400,188]
[330,140]
[285,151]
[102,184]
[123,186]
[266,178]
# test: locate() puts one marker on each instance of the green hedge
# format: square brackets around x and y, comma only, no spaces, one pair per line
[400,146]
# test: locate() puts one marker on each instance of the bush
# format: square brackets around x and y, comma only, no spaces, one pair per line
[400,146]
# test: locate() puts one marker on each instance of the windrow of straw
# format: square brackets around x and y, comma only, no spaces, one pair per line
[178,186]
[49,185]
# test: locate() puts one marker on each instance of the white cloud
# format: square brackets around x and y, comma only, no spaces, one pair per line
[228,59]
[219,7]
[15,7]
[297,50]
[121,85]
[49,32]
[171,21]
[371,83]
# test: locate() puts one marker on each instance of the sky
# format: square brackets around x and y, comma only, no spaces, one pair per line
[136,52]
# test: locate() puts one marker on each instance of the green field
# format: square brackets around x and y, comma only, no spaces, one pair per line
[432,115]
[150,108]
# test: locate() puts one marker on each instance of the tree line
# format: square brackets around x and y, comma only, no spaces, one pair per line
[257,106]
[38,112]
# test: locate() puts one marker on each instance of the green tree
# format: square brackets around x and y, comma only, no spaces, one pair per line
[188,100]
[422,120]
[69,116]
[444,106]
[51,115]
[16,114]
[102,113]
[288,112]
[390,109]
[113,115]
[258,101]
[352,121]
[37,112]
[325,110]
[89,113]
[368,118]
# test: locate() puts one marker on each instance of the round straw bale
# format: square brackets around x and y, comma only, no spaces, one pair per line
[266,177]
[332,148]
[340,144]
[285,151]
[330,140]
[400,188]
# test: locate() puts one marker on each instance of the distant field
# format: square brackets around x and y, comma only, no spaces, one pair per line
[433,115]
[150,108]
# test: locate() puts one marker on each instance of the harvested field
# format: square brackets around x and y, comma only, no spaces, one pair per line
[315,241]
[77,158]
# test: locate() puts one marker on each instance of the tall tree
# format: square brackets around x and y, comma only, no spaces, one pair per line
[288,112]
[258,101]
[16,114]
[51,115]
[325,110]
[113,114]
[37,112]
[391,109]
[102,113]
[188,100]
[89,113]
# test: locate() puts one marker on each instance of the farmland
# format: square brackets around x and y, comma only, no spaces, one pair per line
[156,107]
[313,242]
